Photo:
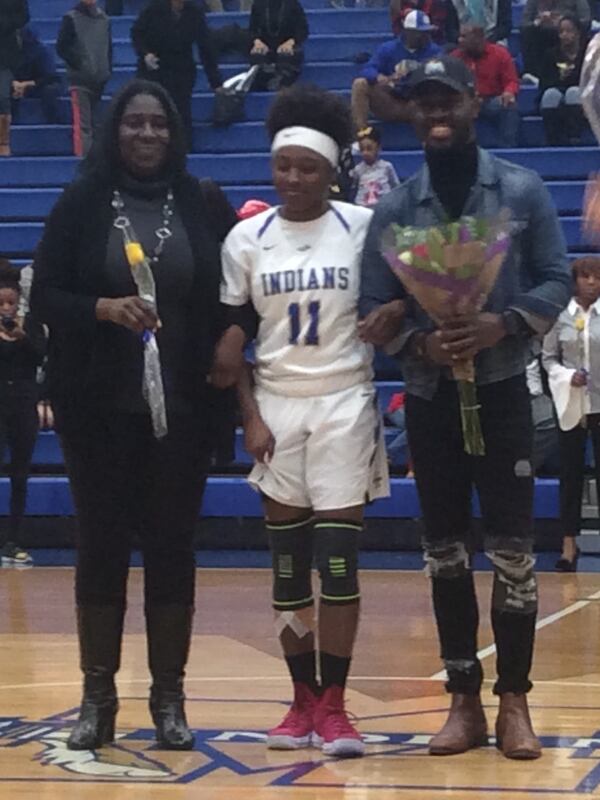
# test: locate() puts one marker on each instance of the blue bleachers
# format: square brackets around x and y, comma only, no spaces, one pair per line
[34,204]
[231,496]
[249,137]
[257,103]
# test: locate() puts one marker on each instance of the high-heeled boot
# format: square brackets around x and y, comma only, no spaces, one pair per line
[100,632]
[169,630]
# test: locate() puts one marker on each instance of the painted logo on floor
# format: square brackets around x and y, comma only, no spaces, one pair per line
[38,752]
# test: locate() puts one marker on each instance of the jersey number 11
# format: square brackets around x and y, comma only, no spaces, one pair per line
[312,334]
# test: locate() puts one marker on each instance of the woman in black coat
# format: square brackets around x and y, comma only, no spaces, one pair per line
[14,15]
[278,30]
[163,37]
[560,97]
[124,479]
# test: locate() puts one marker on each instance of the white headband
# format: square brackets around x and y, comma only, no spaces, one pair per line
[308,137]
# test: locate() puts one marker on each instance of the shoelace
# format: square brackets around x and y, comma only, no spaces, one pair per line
[339,718]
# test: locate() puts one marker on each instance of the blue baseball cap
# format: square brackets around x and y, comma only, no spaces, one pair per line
[417,21]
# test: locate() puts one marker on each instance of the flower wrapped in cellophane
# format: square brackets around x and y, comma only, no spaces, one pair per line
[152,386]
[450,270]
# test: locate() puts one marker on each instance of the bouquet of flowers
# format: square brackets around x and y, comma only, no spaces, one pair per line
[450,270]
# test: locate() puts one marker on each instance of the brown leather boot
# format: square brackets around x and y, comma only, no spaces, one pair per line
[5,134]
[514,733]
[465,728]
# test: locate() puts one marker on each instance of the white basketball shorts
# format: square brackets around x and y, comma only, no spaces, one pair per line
[329,450]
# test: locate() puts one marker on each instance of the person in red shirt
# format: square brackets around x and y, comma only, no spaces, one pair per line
[496,81]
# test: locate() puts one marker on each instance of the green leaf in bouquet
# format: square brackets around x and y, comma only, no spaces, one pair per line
[482,228]
[435,243]
[452,232]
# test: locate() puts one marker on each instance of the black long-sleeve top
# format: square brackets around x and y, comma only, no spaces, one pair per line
[14,15]
[172,37]
[276,21]
[19,359]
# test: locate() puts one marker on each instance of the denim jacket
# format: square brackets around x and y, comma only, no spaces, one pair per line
[534,280]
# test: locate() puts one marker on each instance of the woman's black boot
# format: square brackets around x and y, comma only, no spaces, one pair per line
[169,629]
[100,632]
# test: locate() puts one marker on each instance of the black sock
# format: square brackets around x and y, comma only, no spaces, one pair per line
[334,670]
[303,669]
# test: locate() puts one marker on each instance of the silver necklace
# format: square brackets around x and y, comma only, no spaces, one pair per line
[123,223]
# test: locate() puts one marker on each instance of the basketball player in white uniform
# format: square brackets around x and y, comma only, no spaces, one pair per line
[311,420]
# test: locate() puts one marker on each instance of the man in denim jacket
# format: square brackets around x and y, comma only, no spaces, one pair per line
[533,287]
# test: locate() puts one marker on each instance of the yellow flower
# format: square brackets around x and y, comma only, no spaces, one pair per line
[579,324]
[135,253]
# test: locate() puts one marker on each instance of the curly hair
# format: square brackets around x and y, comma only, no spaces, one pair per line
[311,107]
[104,158]
[585,266]
[9,276]
[370,132]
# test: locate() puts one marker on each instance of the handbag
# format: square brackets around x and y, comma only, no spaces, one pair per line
[230,103]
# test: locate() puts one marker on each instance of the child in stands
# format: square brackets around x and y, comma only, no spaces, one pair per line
[311,422]
[374,176]
[84,43]
[22,349]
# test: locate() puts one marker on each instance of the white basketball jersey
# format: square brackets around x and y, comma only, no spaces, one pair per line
[303,279]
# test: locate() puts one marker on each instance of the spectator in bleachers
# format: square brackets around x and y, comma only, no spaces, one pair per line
[278,31]
[164,36]
[539,29]
[85,45]
[560,102]
[379,90]
[22,349]
[36,76]
[374,177]
[571,357]
[494,17]
[442,14]
[14,15]
[496,81]
[125,480]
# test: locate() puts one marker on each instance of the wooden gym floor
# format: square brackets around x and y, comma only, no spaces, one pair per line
[237,688]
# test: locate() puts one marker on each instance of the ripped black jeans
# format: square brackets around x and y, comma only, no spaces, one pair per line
[445,477]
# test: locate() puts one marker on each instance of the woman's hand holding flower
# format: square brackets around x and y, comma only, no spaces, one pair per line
[579,378]
[130,312]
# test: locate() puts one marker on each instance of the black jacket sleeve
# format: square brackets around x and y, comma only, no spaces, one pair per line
[66,43]
[139,33]
[36,340]
[222,214]
[207,50]
[54,297]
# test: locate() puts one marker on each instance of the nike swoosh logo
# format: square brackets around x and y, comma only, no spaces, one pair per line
[304,248]
[268,246]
